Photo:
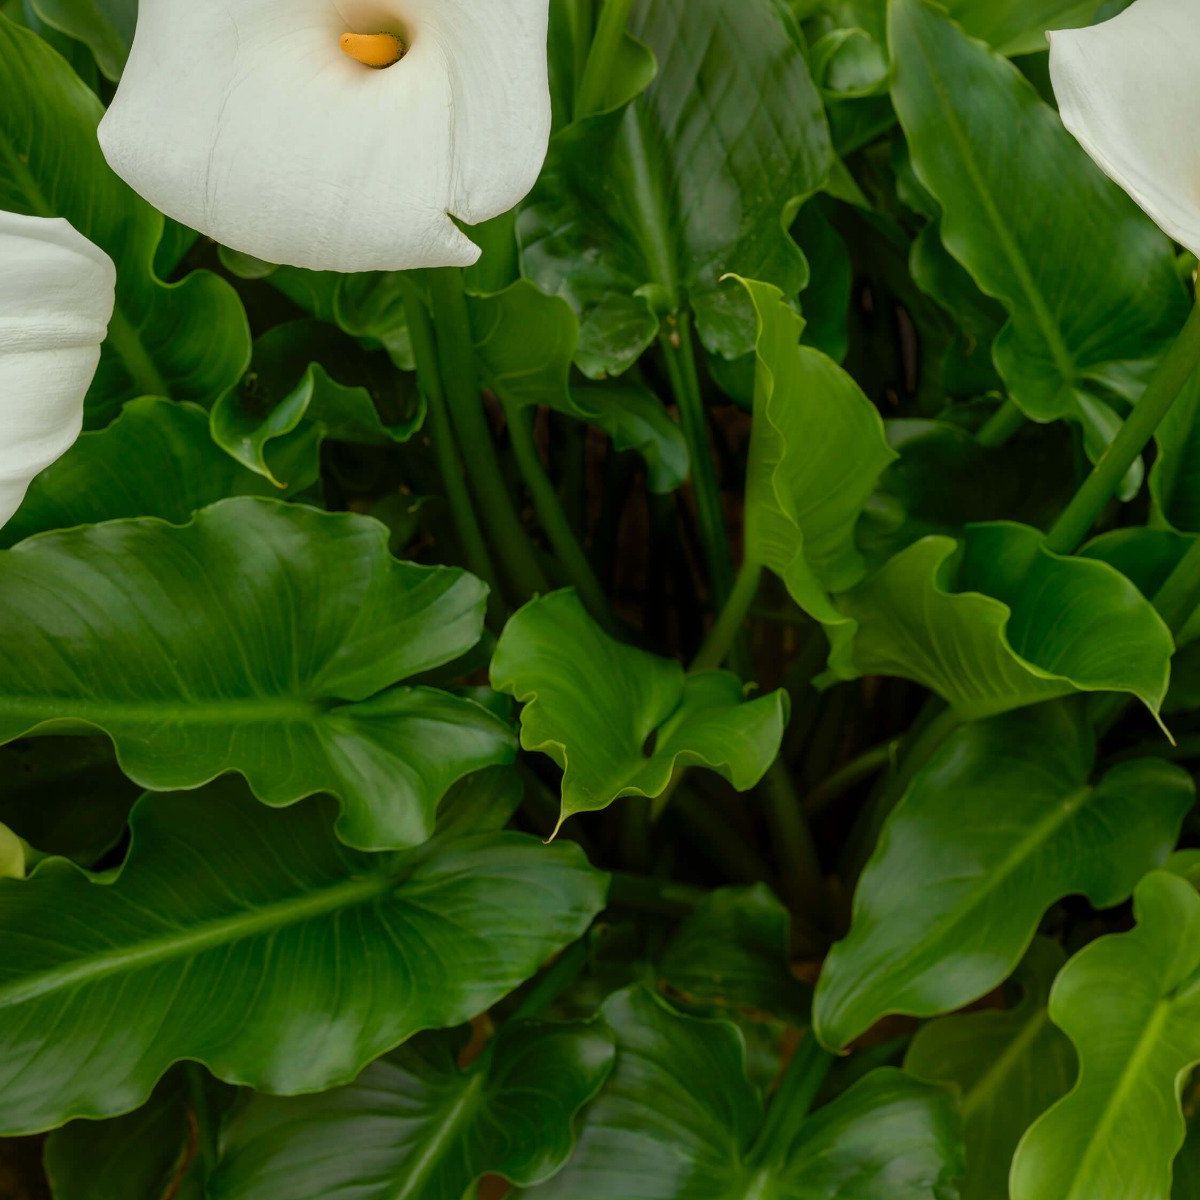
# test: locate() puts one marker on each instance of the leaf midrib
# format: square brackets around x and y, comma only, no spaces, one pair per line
[416,1174]
[190,942]
[988,1083]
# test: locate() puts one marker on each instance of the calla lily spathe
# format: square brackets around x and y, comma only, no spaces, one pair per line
[56,298]
[262,124]
[1129,90]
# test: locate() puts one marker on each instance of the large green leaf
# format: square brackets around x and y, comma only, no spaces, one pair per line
[274,422]
[188,341]
[1019,26]
[620,721]
[1131,1004]
[1008,1066]
[414,1125]
[155,460]
[679,1118]
[817,450]
[262,638]
[287,963]
[105,26]
[1088,283]
[1002,823]
[645,209]
[734,951]
[997,622]
[525,343]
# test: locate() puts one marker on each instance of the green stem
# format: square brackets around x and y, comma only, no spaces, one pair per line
[602,58]
[801,879]
[792,1102]
[206,1138]
[552,518]
[1133,437]
[456,357]
[729,620]
[1001,425]
[450,466]
[1179,596]
[566,969]
[676,342]
[851,775]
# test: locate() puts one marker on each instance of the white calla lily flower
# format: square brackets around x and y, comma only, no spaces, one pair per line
[1129,90]
[57,292]
[334,134]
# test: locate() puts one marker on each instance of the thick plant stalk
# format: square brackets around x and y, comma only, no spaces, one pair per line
[614,17]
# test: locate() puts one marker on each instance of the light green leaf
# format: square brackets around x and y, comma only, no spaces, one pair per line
[1002,823]
[274,422]
[646,208]
[1008,1067]
[1088,283]
[1019,26]
[998,622]
[155,460]
[525,342]
[12,855]
[679,1118]
[734,951]
[104,26]
[415,1125]
[1131,1004]
[620,721]
[190,340]
[262,638]
[286,964]
[817,450]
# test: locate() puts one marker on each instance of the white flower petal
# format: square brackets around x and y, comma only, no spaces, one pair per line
[244,120]
[56,299]
[1129,90]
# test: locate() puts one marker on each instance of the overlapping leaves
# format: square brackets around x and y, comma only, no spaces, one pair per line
[263,638]
[286,963]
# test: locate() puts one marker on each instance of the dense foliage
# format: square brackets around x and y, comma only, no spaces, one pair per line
[669,712]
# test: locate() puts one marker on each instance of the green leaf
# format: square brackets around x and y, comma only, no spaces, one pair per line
[1175,476]
[104,26]
[415,1125]
[288,403]
[525,342]
[734,951]
[190,340]
[12,855]
[998,622]
[1131,1004]
[286,964]
[620,721]
[1001,824]
[678,1121]
[1008,1067]
[1019,26]
[262,638]
[646,208]
[149,1154]
[1087,281]
[817,450]
[155,460]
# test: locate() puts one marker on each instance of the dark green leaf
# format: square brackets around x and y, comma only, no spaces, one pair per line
[1019,26]
[188,341]
[648,207]
[1002,823]
[414,1125]
[263,638]
[1008,1067]
[286,963]
[678,1120]
[620,721]
[105,26]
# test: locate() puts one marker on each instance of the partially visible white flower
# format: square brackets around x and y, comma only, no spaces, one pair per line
[1129,90]
[57,292]
[262,124]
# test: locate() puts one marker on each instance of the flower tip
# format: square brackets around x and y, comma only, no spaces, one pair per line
[376,50]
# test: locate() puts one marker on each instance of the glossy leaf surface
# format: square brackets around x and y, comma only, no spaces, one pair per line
[620,721]
[286,964]
[1002,823]
[218,646]
[678,1119]
[414,1125]
[1131,1004]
